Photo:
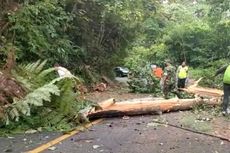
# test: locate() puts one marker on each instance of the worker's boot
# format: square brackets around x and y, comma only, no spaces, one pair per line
[226,112]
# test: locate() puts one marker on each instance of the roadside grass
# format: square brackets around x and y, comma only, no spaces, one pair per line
[200,118]
[192,122]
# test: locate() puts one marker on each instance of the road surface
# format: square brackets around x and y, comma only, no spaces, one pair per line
[123,135]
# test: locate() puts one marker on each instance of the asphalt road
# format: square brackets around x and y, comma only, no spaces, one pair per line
[130,135]
[137,135]
[24,142]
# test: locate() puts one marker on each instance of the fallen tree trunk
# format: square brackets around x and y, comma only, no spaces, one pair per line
[203,92]
[149,107]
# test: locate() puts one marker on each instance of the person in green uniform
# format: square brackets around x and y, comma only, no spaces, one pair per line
[226,81]
[169,80]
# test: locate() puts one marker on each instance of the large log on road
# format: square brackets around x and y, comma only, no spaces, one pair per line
[149,107]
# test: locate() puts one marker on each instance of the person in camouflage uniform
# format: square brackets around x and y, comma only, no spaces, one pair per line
[169,80]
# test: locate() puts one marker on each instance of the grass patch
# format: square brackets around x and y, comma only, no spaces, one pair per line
[191,121]
[208,77]
[207,109]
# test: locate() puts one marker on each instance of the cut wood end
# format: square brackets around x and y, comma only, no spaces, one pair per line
[196,83]
[107,103]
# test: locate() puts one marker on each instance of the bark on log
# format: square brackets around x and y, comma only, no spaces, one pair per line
[150,107]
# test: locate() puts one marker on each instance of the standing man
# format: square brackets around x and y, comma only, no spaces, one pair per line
[169,80]
[157,71]
[226,80]
[182,74]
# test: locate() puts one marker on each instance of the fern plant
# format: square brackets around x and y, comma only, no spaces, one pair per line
[32,75]
[35,98]
[40,88]
[45,97]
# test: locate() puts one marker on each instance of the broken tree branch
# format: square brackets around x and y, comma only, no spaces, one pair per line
[203,92]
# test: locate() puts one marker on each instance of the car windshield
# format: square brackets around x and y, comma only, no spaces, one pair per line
[125,69]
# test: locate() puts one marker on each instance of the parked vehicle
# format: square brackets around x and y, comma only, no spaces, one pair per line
[121,71]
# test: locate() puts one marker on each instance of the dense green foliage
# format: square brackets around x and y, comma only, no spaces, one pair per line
[44,97]
[99,34]
[197,33]
[70,33]
[143,81]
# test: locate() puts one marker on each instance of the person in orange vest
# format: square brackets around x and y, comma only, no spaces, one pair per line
[157,71]
[182,74]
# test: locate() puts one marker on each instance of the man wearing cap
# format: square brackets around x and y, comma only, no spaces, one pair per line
[182,74]
[169,79]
